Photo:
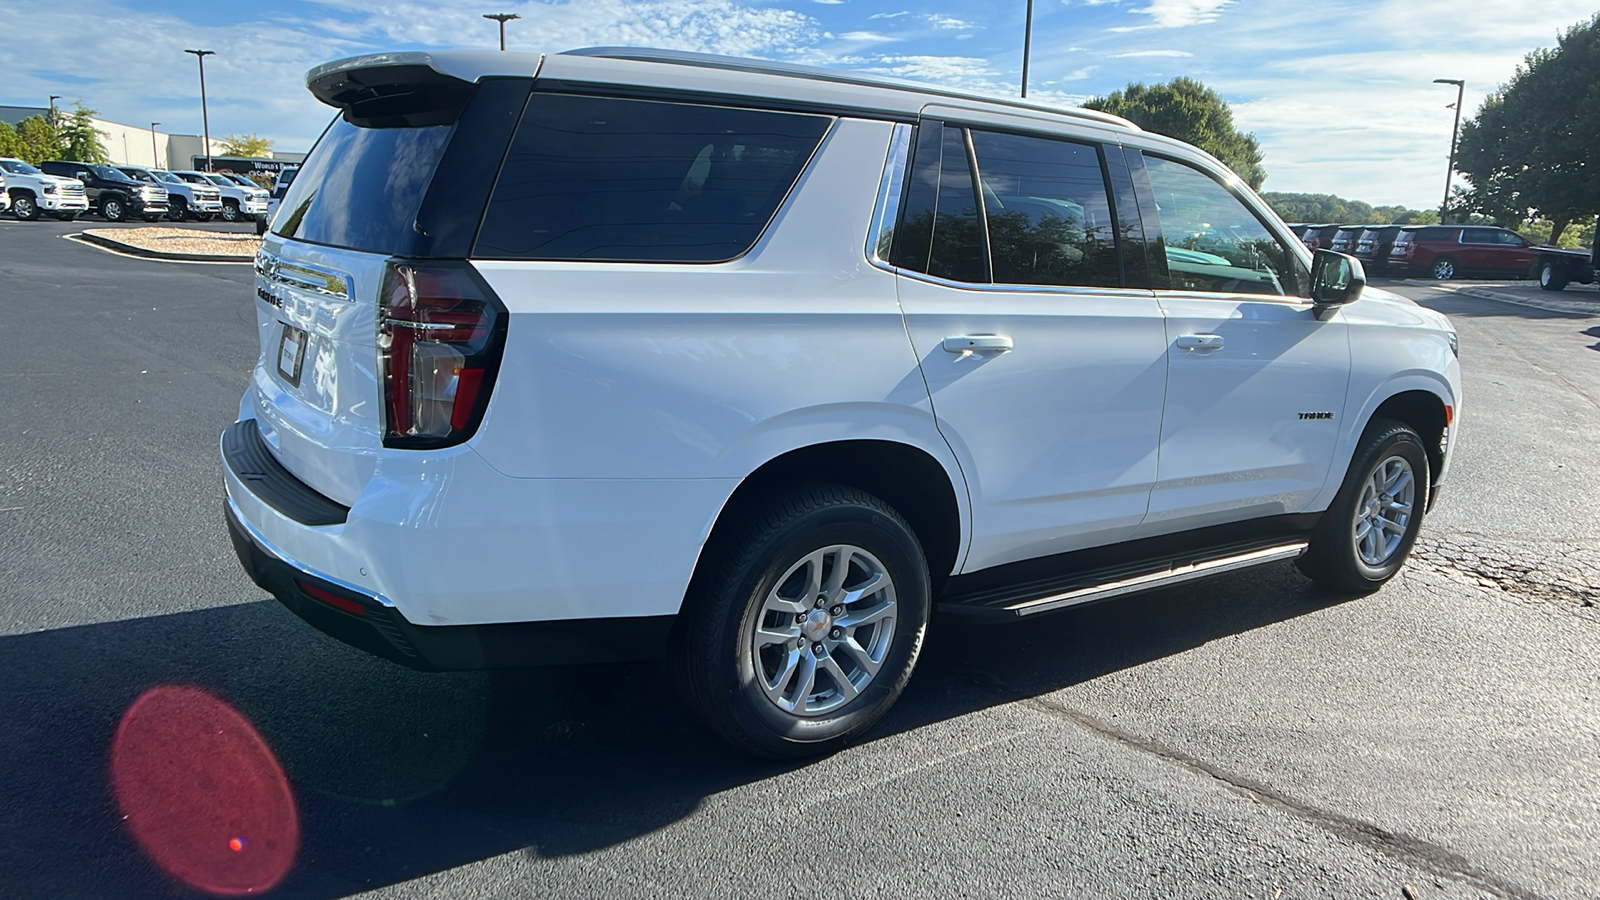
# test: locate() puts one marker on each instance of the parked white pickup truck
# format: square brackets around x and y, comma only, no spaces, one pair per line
[184,199]
[238,202]
[33,193]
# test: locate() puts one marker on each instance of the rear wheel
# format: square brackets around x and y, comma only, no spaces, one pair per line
[1552,277]
[1368,531]
[805,624]
[112,210]
[1444,268]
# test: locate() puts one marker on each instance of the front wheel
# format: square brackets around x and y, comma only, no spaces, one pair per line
[1444,269]
[112,210]
[25,208]
[177,209]
[230,212]
[805,624]
[1368,531]
[1552,277]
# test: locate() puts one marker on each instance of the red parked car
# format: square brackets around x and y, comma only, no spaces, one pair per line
[1448,251]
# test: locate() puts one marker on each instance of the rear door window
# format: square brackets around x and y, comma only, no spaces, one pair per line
[608,179]
[1048,212]
[1479,236]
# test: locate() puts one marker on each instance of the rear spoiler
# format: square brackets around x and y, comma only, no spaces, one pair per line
[398,90]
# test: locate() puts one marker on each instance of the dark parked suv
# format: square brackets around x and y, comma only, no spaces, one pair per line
[1446,251]
[1346,238]
[112,194]
[1374,246]
[1320,237]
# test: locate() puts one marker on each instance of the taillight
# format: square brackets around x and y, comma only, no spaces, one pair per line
[440,335]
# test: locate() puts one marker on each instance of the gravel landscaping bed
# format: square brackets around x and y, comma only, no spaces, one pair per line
[181,241]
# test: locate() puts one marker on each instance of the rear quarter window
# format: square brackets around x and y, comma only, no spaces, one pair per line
[609,179]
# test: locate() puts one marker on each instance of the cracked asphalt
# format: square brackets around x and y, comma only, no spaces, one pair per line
[1241,737]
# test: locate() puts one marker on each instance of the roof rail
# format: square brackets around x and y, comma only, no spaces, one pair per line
[836,76]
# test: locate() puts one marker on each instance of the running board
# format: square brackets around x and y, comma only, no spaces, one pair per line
[1016,602]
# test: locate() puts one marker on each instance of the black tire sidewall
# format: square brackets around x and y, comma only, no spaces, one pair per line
[1335,558]
[177,209]
[230,212]
[735,702]
[112,203]
[30,205]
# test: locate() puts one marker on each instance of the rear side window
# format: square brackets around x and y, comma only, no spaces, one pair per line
[361,186]
[1048,213]
[1479,236]
[595,178]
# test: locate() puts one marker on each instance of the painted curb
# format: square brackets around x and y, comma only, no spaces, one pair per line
[1578,307]
[123,247]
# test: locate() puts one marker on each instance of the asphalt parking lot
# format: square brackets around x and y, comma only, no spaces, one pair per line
[1241,737]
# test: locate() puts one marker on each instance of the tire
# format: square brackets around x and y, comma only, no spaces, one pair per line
[112,209]
[177,209]
[152,217]
[203,217]
[1349,559]
[230,212]
[261,226]
[781,688]
[1444,268]
[24,207]
[66,216]
[1552,277]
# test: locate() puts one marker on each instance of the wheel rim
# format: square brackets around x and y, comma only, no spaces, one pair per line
[824,630]
[113,209]
[23,207]
[1385,511]
[1544,275]
[1443,270]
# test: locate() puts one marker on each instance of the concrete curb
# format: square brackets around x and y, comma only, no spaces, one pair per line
[130,249]
[1579,307]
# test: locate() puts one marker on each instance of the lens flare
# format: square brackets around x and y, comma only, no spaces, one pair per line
[202,793]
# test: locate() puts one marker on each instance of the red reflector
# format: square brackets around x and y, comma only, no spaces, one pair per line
[1449,415]
[343,604]
[467,383]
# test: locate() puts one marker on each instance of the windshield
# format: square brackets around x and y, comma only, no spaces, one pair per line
[192,179]
[18,167]
[169,177]
[109,173]
[138,174]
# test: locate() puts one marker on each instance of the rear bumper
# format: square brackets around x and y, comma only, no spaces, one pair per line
[370,622]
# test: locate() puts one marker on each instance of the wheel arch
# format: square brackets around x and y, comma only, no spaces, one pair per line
[21,192]
[905,476]
[1426,413]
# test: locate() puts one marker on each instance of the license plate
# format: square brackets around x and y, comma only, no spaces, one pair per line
[291,354]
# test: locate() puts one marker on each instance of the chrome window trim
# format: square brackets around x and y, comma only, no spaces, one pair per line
[1006,287]
[891,188]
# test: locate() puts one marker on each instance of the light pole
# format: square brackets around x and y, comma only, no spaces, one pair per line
[503,18]
[1454,130]
[205,120]
[53,99]
[1027,45]
[155,156]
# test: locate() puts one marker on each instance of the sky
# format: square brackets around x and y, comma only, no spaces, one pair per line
[1339,92]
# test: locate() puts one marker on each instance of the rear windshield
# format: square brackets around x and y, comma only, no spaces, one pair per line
[360,187]
[592,178]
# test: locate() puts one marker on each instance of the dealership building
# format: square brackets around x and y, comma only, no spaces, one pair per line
[131,145]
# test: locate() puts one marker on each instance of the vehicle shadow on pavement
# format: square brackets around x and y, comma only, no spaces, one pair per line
[398,774]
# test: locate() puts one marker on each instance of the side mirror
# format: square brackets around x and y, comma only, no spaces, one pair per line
[1336,279]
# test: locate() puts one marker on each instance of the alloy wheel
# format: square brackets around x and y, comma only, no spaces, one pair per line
[1384,511]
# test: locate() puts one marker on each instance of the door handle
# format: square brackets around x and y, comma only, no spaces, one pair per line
[1203,342]
[977,343]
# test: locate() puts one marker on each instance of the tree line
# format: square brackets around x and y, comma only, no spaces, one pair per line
[73,137]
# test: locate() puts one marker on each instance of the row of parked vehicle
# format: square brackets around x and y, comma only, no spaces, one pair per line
[65,189]
[1450,251]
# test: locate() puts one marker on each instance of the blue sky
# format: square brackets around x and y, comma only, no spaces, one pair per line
[1339,92]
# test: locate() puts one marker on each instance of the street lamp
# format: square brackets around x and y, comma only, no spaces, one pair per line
[205,121]
[155,157]
[1027,44]
[1454,130]
[53,99]
[503,18]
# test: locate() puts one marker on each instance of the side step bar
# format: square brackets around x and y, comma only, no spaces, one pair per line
[1016,602]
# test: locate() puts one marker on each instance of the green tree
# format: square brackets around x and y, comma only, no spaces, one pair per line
[10,144]
[1530,151]
[1189,111]
[80,140]
[1327,208]
[39,140]
[249,146]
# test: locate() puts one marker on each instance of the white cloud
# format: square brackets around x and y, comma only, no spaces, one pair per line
[1179,13]
[949,23]
[871,37]
[1136,54]
[893,15]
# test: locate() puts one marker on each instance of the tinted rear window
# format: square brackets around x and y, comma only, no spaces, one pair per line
[360,187]
[592,178]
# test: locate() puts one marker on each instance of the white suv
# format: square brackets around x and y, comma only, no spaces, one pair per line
[618,354]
